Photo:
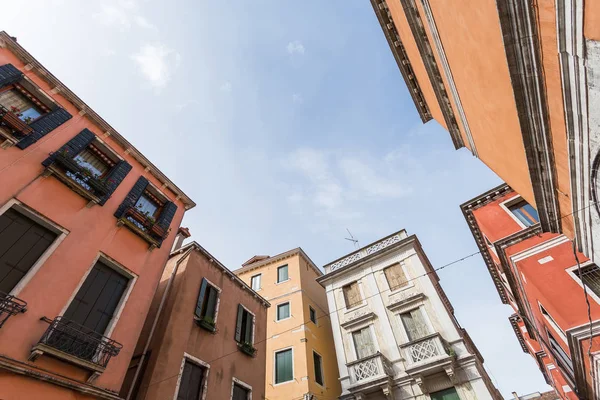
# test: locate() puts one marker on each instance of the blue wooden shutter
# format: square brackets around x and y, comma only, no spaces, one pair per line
[132,197]
[238,324]
[43,126]
[9,74]
[200,302]
[115,177]
[74,146]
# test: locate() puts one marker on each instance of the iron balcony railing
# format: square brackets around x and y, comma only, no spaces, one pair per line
[78,341]
[369,368]
[9,306]
[12,121]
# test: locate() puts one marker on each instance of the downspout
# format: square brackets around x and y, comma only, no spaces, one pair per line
[156,318]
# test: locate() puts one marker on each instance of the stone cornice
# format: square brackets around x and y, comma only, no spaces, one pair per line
[514,322]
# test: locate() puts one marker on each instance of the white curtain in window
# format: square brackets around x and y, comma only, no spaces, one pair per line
[92,162]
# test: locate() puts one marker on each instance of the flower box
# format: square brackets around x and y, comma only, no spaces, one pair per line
[247,348]
[206,324]
[14,123]
[80,175]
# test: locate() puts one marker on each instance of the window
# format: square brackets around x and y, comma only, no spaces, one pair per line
[524,212]
[22,103]
[206,306]
[244,326]
[395,276]
[448,394]
[553,323]
[255,281]
[284,366]
[318,362]
[561,357]
[313,314]
[283,311]
[414,324]
[590,276]
[352,295]
[192,379]
[282,274]
[22,243]
[240,392]
[363,343]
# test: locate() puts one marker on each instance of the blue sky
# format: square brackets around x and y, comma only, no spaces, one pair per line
[287,122]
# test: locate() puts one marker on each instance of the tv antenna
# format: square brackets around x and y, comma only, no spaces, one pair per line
[352,239]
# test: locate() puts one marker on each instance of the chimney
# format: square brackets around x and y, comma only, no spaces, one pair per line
[182,234]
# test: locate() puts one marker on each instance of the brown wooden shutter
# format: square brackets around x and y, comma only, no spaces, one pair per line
[395,276]
[238,325]
[352,294]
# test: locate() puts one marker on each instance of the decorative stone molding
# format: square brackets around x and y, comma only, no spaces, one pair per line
[404,299]
[357,318]
[374,248]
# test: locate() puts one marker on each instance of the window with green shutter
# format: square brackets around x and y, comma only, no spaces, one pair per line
[318,362]
[206,306]
[244,326]
[283,311]
[284,366]
[282,274]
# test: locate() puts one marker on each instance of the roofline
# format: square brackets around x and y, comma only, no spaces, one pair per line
[485,197]
[216,262]
[6,41]
[275,258]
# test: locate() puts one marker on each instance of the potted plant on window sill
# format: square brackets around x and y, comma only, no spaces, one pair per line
[207,323]
[247,348]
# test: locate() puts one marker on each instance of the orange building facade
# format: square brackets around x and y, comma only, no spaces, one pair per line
[516,83]
[541,276]
[204,337]
[86,227]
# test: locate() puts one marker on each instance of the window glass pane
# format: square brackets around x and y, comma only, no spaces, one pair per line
[256,282]
[561,356]
[282,273]
[590,276]
[318,361]
[524,213]
[363,343]
[448,394]
[146,206]
[29,115]
[313,315]
[283,311]
[283,366]
[90,161]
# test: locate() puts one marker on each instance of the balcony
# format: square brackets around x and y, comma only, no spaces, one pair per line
[9,306]
[76,344]
[144,225]
[427,355]
[372,372]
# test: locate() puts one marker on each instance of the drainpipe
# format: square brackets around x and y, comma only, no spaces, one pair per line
[156,318]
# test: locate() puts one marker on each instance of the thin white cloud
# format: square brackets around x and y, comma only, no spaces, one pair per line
[144,23]
[156,63]
[123,13]
[365,179]
[297,98]
[295,47]
[226,87]
[113,15]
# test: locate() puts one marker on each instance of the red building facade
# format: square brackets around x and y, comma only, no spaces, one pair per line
[542,277]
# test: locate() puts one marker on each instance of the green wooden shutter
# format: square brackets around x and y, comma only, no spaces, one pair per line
[200,301]
[284,366]
[238,325]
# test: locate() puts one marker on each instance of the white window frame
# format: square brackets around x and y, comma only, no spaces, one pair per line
[259,283]
[239,382]
[277,274]
[218,296]
[409,282]
[289,303]
[371,328]
[552,322]
[199,363]
[322,369]
[113,264]
[38,218]
[571,272]
[253,321]
[362,296]
[275,366]
[507,203]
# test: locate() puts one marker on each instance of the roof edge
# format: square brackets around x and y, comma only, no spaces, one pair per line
[275,258]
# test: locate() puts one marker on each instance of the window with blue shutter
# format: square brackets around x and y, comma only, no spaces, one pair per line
[25,117]
[88,167]
[147,212]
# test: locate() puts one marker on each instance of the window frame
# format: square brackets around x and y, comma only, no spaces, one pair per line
[289,303]
[217,303]
[287,267]
[119,268]
[275,366]
[198,362]
[360,291]
[512,201]
[430,328]
[253,325]
[571,272]
[322,384]
[371,328]
[38,218]
[235,381]
[552,322]
[311,312]
[259,276]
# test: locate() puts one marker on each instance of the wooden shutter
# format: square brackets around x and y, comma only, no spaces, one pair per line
[9,74]
[167,214]
[22,242]
[201,295]
[211,303]
[239,393]
[74,146]
[43,126]
[395,276]
[132,197]
[114,178]
[284,366]
[415,325]
[249,325]
[352,294]
[238,324]
[190,384]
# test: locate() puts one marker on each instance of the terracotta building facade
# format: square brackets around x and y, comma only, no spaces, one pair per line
[542,277]
[394,328]
[300,361]
[204,337]
[517,83]
[86,227]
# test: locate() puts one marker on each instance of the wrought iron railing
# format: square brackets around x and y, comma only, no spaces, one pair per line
[426,349]
[11,121]
[9,306]
[78,341]
[371,367]
[81,175]
[145,222]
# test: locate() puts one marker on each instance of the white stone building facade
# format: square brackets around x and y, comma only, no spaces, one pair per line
[394,329]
